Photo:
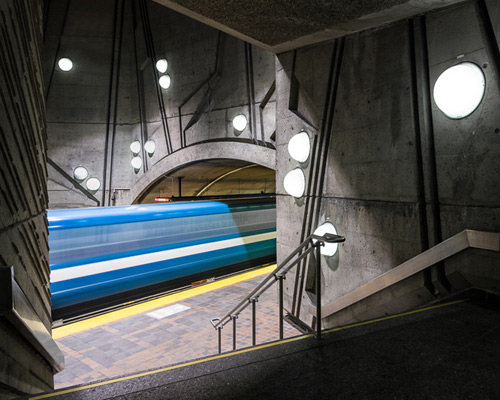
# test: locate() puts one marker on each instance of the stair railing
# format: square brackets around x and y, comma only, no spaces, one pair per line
[311,243]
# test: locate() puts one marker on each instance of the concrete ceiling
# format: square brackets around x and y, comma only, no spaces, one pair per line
[282,25]
[214,178]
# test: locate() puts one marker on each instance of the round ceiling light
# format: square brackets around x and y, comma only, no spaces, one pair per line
[80,173]
[135,147]
[136,162]
[240,122]
[295,183]
[459,90]
[65,64]
[162,65]
[150,147]
[93,184]
[165,81]
[299,146]
[329,249]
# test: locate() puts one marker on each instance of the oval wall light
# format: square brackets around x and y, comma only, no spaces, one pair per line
[136,162]
[165,81]
[65,64]
[299,146]
[240,122]
[459,90]
[150,147]
[135,147]
[329,249]
[295,183]
[80,173]
[93,184]
[162,65]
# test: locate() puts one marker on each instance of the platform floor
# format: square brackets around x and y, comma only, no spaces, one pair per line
[165,331]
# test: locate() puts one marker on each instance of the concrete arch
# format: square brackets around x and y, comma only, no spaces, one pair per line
[205,151]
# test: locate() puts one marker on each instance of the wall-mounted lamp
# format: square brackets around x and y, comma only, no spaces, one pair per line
[135,147]
[80,173]
[329,249]
[65,64]
[299,146]
[93,184]
[136,163]
[165,81]
[150,147]
[240,122]
[459,90]
[162,65]
[295,183]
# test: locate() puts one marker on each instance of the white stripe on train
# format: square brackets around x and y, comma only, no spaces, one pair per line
[80,271]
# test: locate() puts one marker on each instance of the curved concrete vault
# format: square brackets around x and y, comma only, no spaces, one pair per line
[217,150]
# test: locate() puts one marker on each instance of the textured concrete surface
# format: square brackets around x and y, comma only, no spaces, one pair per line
[387,167]
[445,353]
[281,26]
[23,191]
[111,97]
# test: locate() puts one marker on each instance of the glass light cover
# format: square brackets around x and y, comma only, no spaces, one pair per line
[299,146]
[240,122]
[459,90]
[80,173]
[65,64]
[329,249]
[135,147]
[93,184]
[162,65]
[136,162]
[150,147]
[295,183]
[165,81]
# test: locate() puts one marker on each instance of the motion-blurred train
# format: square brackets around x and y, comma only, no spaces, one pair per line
[100,257]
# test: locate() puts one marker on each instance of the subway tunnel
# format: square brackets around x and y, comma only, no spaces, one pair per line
[390,166]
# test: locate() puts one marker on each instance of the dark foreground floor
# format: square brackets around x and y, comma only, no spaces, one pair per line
[450,352]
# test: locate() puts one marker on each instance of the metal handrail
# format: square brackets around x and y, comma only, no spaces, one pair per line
[316,242]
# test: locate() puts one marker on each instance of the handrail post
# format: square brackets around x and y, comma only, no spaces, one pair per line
[280,279]
[216,323]
[234,318]
[219,329]
[318,245]
[254,300]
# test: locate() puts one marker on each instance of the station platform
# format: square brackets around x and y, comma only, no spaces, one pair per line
[444,352]
[166,330]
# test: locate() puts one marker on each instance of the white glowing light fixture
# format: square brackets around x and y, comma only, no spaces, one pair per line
[165,81]
[80,173]
[240,122]
[135,147]
[459,90]
[299,146]
[93,184]
[136,162]
[295,183]
[329,249]
[150,147]
[65,64]
[162,65]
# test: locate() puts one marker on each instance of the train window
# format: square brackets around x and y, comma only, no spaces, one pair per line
[459,90]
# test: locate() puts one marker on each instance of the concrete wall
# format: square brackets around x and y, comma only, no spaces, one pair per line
[23,192]
[388,168]
[111,97]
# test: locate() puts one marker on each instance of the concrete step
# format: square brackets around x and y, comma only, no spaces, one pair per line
[448,351]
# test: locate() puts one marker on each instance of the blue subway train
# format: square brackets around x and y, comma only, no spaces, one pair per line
[100,257]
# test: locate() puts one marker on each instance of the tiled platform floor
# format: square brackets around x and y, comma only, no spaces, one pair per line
[142,342]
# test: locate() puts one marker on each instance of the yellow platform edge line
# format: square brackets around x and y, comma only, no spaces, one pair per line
[94,322]
[230,354]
